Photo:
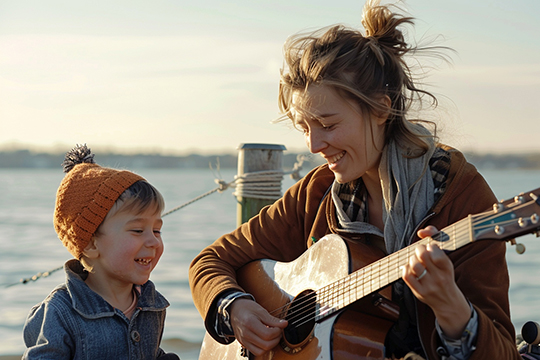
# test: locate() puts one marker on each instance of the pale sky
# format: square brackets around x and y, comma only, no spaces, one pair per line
[182,76]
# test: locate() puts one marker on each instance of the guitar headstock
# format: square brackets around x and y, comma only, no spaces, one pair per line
[511,218]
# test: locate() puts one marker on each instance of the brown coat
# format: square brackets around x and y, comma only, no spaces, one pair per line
[283,231]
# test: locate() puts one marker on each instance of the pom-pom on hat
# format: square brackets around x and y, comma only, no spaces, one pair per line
[85,196]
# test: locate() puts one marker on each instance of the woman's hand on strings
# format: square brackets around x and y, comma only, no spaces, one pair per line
[430,276]
[254,327]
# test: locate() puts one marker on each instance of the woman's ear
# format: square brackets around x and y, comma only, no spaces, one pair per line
[91,250]
[383,113]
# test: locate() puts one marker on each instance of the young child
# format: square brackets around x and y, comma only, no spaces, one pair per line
[110,221]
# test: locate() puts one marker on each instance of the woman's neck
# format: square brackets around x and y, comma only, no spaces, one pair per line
[375,199]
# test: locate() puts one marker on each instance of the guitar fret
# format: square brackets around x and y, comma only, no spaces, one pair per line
[454,236]
[359,288]
[471,234]
[342,294]
[368,279]
[375,282]
[384,273]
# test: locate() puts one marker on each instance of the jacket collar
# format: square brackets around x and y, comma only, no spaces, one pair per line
[91,305]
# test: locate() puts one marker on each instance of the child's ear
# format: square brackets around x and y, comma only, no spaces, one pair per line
[91,250]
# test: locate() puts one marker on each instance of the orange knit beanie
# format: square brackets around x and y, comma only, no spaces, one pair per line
[85,196]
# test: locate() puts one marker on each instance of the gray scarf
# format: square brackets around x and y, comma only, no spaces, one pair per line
[408,194]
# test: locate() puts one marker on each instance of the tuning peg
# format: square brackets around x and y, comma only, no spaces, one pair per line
[498,207]
[520,248]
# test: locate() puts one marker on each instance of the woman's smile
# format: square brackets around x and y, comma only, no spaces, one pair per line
[349,138]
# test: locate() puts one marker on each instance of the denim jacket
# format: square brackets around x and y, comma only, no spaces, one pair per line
[74,322]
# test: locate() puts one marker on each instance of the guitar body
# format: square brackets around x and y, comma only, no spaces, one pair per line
[356,332]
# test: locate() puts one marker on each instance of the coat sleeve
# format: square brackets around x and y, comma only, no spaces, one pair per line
[278,232]
[480,272]
[46,334]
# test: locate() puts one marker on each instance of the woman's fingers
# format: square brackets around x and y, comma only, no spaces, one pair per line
[254,327]
[429,230]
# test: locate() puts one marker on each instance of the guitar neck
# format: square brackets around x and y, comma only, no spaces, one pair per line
[381,273]
[508,219]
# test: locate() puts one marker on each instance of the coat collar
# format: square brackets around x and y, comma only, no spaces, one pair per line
[91,305]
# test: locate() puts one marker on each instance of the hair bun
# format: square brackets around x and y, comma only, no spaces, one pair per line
[78,155]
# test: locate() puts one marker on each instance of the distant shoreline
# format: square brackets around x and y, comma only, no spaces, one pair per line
[26,159]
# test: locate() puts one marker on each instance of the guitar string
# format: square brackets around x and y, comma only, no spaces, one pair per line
[465,229]
[336,294]
[300,306]
[344,296]
[339,298]
[336,300]
[350,282]
[345,290]
[447,245]
[380,270]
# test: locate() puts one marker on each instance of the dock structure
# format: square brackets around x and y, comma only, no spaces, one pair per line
[263,164]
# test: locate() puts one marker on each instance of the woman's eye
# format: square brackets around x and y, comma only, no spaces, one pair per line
[302,129]
[137,231]
[327,127]
[157,232]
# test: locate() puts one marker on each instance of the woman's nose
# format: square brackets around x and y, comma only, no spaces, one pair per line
[315,141]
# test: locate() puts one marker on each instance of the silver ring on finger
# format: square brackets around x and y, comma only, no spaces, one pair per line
[422,274]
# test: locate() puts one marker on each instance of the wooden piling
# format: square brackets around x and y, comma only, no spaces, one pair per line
[253,158]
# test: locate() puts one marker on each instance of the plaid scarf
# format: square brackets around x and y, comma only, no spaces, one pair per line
[351,199]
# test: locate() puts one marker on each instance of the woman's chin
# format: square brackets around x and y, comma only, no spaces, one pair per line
[340,178]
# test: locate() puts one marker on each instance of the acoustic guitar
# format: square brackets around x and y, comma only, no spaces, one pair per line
[335,295]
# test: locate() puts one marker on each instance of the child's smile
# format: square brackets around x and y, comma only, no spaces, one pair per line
[128,246]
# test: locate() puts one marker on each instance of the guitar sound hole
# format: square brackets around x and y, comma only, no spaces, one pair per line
[301,318]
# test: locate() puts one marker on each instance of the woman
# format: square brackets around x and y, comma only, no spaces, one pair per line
[385,178]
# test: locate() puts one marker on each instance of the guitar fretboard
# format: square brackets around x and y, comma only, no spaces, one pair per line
[381,273]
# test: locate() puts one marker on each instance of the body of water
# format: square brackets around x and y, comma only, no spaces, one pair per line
[29,245]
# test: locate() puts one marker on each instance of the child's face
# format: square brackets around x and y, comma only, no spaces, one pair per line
[130,246]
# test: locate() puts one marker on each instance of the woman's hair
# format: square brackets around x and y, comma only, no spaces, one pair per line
[364,68]
[138,198]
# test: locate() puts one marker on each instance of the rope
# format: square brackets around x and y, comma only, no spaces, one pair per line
[258,185]
[265,184]
[36,277]
[222,187]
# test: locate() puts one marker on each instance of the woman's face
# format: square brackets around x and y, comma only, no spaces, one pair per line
[350,140]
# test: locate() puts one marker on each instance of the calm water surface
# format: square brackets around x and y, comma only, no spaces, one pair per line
[29,245]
